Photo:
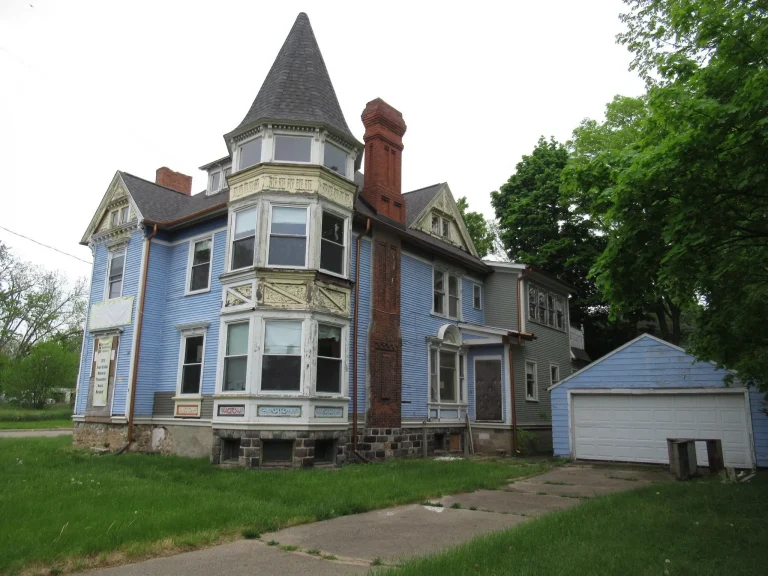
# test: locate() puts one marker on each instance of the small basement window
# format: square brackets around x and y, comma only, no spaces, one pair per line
[230,450]
[325,451]
[276,452]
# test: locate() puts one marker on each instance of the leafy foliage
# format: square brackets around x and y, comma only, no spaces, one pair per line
[482,236]
[689,208]
[32,379]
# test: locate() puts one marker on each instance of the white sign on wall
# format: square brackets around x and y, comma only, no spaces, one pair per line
[103,359]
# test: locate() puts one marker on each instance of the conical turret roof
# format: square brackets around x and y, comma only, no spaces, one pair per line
[298,87]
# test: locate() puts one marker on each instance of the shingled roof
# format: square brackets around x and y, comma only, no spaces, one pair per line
[417,200]
[298,87]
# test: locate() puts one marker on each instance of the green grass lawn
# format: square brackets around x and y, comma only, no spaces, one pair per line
[57,503]
[52,416]
[699,528]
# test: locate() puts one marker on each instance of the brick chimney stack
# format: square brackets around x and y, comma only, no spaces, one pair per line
[384,129]
[174,180]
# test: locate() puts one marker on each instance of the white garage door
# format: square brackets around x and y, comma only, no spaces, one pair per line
[635,428]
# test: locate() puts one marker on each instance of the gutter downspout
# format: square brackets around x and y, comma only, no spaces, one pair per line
[354,343]
[139,323]
[525,274]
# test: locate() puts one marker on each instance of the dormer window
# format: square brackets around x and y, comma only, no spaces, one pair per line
[249,154]
[215,181]
[441,226]
[446,227]
[335,158]
[293,148]
[119,216]
[435,224]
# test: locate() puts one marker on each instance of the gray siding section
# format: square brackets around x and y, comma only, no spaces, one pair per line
[163,405]
[501,300]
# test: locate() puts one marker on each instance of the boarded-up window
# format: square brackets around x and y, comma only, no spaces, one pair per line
[488,389]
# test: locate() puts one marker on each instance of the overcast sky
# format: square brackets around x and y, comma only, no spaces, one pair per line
[88,88]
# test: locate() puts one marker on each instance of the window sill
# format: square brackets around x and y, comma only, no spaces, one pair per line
[444,317]
[334,274]
[180,396]
[196,292]
[531,399]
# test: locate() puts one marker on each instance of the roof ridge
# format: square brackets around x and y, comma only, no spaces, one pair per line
[424,188]
[154,183]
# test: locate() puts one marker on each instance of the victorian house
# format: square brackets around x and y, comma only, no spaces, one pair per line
[303,309]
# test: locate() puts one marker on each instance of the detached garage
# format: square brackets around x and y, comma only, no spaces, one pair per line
[624,406]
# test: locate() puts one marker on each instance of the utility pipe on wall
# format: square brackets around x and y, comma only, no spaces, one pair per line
[139,322]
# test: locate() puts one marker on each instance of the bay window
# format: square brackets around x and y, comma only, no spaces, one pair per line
[249,154]
[293,148]
[281,360]
[243,238]
[546,307]
[288,237]
[236,357]
[328,359]
[199,277]
[335,158]
[192,364]
[332,249]
[115,274]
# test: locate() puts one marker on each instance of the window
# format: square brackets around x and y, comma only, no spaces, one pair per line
[560,308]
[433,397]
[236,357]
[532,298]
[115,275]
[192,364]
[554,374]
[288,237]
[123,215]
[250,154]
[453,297]
[551,309]
[328,359]
[335,158]
[439,290]
[542,314]
[281,362]
[461,378]
[293,148]
[531,387]
[243,238]
[477,300]
[227,172]
[446,227]
[448,376]
[435,224]
[114,218]
[215,181]
[546,308]
[332,243]
[200,265]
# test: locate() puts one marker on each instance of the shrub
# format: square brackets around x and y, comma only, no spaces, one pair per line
[32,379]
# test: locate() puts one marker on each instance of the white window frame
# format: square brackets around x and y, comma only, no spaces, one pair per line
[302,319]
[345,174]
[242,318]
[114,218]
[552,381]
[479,289]
[538,290]
[435,217]
[190,258]
[111,257]
[445,312]
[308,136]
[231,236]
[307,235]
[344,354]
[535,397]
[437,346]
[236,161]
[123,218]
[191,333]
[345,256]
[211,189]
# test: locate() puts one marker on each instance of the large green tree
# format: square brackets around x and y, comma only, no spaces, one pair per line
[33,379]
[688,213]
[482,236]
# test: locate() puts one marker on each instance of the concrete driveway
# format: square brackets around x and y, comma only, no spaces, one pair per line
[392,534]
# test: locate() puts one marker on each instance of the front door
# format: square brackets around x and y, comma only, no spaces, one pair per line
[488,390]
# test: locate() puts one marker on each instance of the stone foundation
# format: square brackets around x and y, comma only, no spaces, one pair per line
[189,441]
[531,440]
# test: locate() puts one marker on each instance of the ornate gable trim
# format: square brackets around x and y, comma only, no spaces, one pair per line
[444,203]
[117,193]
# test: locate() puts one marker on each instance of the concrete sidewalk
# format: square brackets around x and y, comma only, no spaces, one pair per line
[36,433]
[393,534]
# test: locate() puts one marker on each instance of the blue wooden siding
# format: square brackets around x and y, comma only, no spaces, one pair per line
[490,350]
[468,312]
[758,404]
[364,318]
[646,363]
[130,288]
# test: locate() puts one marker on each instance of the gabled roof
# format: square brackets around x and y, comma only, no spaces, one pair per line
[417,200]
[162,205]
[298,86]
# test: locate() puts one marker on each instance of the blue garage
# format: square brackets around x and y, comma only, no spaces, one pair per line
[625,405]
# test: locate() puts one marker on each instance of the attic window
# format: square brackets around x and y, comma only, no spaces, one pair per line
[215,183]
[446,228]
[435,224]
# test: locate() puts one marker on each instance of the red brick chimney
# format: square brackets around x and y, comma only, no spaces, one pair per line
[384,129]
[174,180]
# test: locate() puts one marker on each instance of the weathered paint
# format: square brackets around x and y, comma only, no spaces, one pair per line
[364,318]
[468,312]
[645,363]
[486,351]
